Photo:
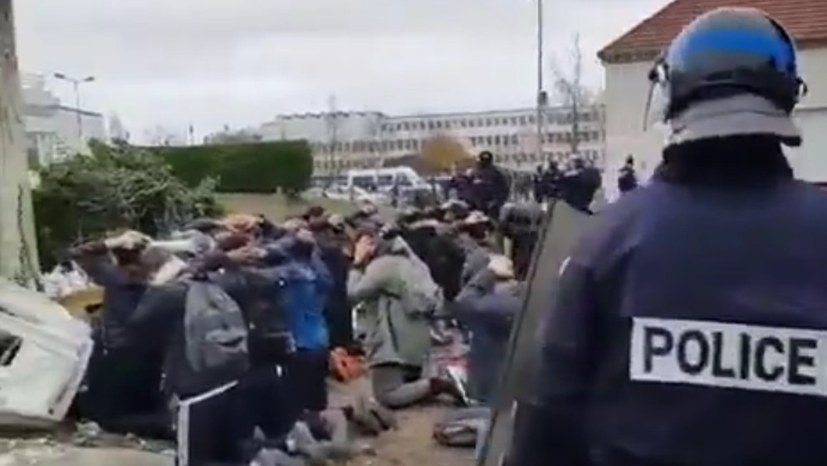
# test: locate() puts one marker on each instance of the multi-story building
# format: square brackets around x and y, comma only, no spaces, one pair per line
[345,140]
[55,131]
[510,134]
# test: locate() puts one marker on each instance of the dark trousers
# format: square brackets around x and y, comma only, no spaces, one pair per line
[307,378]
[216,427]
[123,392]
[268,401]
[339,321]
[211,429]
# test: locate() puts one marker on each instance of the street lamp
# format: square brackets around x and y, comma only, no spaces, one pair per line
[76,84]
[542,97]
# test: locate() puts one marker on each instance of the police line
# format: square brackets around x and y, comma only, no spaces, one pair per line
[729,355]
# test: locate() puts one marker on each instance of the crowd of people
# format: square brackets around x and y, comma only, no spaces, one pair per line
[223,336]
[487,188]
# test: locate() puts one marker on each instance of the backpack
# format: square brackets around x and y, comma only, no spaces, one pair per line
[419,295]
[215,336]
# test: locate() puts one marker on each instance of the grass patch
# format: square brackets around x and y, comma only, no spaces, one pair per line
[277,207]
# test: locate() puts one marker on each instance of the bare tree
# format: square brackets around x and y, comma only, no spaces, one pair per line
[571,93]
[376,140]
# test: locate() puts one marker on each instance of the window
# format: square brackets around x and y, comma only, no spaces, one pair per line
[506,140]
[522,121]
[515,139]
[431,125]
[497,139]
[531,120]
[363,181]
[489,122]
[489,140]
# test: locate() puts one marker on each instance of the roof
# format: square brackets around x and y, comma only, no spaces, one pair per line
[806,20]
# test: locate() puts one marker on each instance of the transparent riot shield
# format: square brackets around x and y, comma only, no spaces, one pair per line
[559,234]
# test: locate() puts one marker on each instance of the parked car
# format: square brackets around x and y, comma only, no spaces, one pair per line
[355,194]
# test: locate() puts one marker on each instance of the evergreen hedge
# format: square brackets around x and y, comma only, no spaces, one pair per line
[264,167]
[116,187]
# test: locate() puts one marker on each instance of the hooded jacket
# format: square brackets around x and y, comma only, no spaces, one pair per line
[396,334]
[486,307]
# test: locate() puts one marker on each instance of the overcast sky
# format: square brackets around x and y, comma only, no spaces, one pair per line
[240,62]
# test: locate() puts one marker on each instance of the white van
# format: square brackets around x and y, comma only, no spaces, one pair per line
[384,179]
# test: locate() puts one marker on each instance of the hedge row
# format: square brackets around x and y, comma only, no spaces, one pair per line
[265,167]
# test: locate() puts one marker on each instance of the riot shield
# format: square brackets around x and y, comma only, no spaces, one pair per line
[559,234]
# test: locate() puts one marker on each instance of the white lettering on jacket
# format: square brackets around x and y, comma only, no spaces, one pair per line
[738,356]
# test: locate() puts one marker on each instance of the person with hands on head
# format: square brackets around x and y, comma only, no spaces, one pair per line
[124,373]
[486,307]
[398,341]
[363,251]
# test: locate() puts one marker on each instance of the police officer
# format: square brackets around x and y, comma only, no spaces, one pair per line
[521,223]
[689,326]
[489,186]
[627,180]
[579,186]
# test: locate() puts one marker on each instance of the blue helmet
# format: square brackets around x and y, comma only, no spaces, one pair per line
[729,52]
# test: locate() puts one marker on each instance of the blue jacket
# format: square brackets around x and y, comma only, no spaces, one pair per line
[685,332]
[306,284]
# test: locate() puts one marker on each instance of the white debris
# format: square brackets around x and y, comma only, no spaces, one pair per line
[62,281]
[43,356]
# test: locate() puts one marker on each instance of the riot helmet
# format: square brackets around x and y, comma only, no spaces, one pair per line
[485,158]
[730,61]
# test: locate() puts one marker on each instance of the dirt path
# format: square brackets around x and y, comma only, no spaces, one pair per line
[412,444]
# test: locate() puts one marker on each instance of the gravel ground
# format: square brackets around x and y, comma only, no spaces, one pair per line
[412,444]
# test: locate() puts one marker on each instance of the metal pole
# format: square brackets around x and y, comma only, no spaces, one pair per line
[540,94]
[76,83]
